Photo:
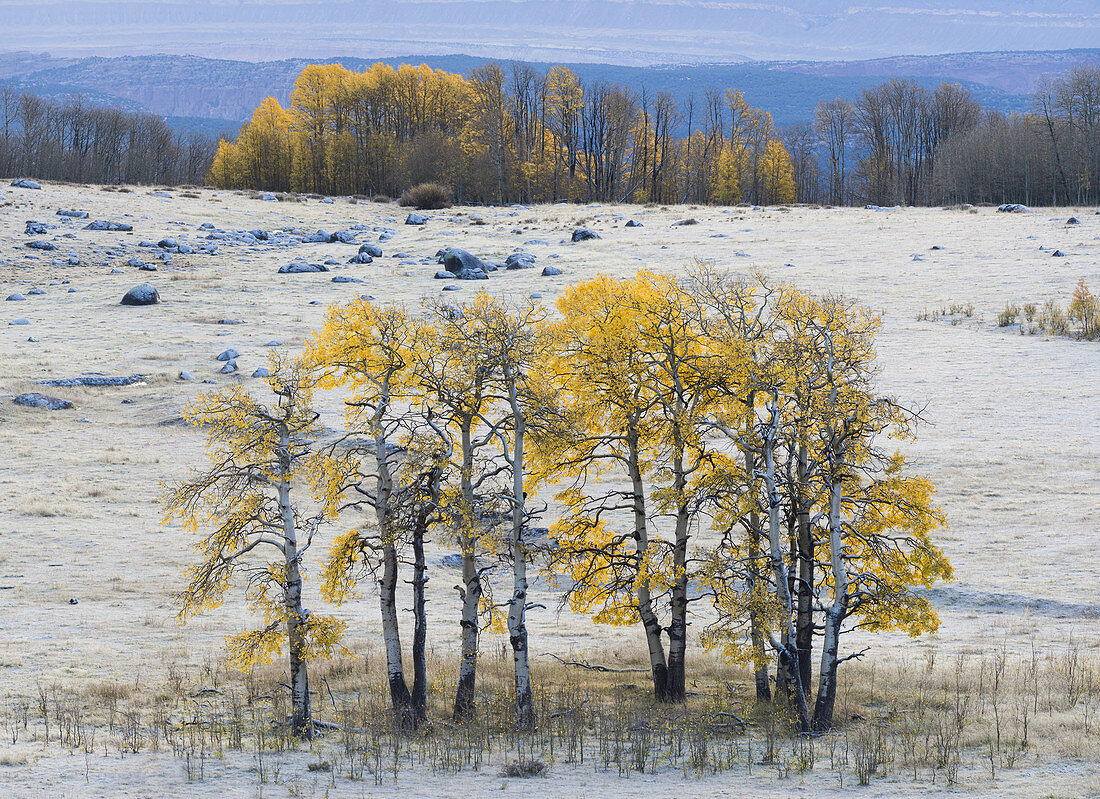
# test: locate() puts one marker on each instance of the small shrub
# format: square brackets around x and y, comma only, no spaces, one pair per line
[426,196]
[382,198]
[525,768]
[1009,315]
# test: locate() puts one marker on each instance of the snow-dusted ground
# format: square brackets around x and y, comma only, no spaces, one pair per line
[1012,441]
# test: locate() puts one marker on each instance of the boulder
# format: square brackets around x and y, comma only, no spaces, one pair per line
[683,222]
[584,234]
[1013,208]
[37,228]
[16,297]
[1073,221]
[262,372]
[299,267]
[550,271]
[35,400]
[451,561]
[372,250]
[452,287]
[458,261]
[25,183]
[346,279]
[320,237]
[144,294]
[113,227]
[98,381]
[416,219]
[343,237]
[185,375]
[20,321]
[633,223]
[519,260]
[227,355]
[169,244]
[41,245]
[36,292]
[361,258]
[1058,254]
[229,368]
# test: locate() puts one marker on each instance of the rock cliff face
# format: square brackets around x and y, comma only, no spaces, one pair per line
[638,32]
[215,96]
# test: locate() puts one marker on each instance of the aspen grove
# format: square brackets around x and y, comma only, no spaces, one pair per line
[664,452]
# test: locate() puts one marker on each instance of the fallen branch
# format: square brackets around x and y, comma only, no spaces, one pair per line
[593,666]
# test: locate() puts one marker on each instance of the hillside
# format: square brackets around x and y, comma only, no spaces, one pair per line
[218,94]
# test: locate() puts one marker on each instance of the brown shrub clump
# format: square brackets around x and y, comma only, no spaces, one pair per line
[426,196]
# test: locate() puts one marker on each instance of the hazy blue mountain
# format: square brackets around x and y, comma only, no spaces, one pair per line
[216,95]
[604,31]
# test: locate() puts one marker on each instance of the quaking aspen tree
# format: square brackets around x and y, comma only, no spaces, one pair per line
[252,527]
[402,457]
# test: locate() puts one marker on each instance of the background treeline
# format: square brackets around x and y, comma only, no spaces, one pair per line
[902,144]
[74,140]
[504,134]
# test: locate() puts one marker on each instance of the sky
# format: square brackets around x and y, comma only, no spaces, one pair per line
[614,31]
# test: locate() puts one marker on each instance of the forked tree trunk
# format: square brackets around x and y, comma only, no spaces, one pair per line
[420,612]
[650,623]
[677,628]
[804,627]
[395,671]
[301,721]
[756,625]
[517,608]
[838,610]
[788,654]
[464,708]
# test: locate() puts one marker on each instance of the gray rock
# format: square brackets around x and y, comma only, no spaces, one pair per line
[93,380]
[229,368]
[452,287]
[269,198]
[36,400]
[16,297]
[633,223]
[416,219]
[38,229]
[227,355]
[1013,208]
[519,260]
[442,274]
[550,271]
[274,343]
[1058,254]
[20,321]
[41,245]
[346,279]
[230,322]
[185,375]
[584,234]
[299,267]
[1073,221]
[113,227]
[36,292]
[457,260]
[144,294]
[25,183]
[32,339]
[343,237]
[370,249]
[684,222]
[168,244]
[262,372]
[451,561]
[361,258]
[320,237]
